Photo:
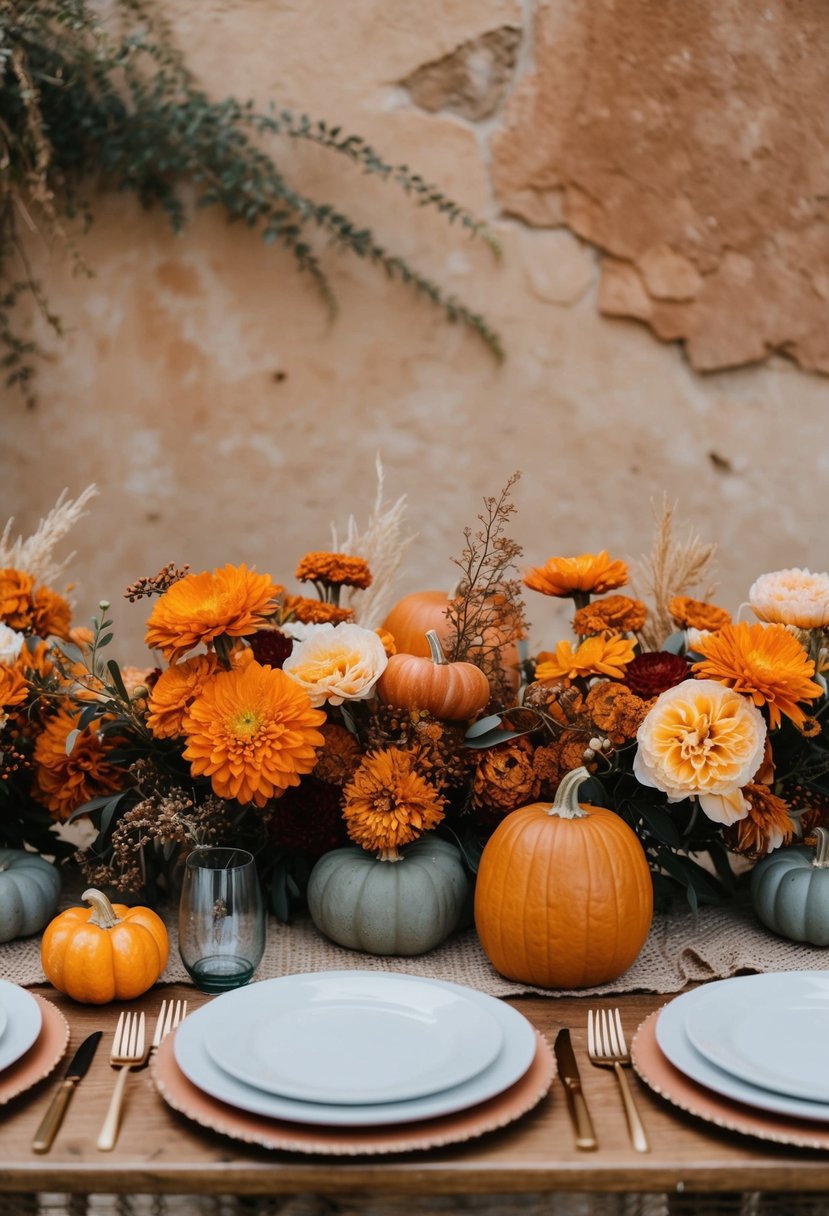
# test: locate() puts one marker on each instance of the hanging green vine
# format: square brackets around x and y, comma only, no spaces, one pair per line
[84,105]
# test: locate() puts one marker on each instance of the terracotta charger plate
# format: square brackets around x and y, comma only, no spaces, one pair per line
[664,1079]
[42,1057]
[186,1098]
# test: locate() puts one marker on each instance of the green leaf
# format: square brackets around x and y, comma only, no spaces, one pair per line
[483,725]
[71,739]
[117,679]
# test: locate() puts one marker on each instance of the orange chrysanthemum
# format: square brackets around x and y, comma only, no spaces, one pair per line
[13,686]
[253,732]
[593,573]
[16,598]
[51,614]
[388,803]
[765,662]
[602,654]
[767,826]
[64,782]
[339,569]
[697,614]
[174,692]
[232,601]
[616,711]
[317,612]
[617,613]
[35,659]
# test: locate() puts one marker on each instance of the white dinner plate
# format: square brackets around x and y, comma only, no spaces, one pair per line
[677,1047]
[769,1030]
[194,1060]
[23,1022]
[355,1037]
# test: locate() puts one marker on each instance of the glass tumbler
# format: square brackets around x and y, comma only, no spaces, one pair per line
[221,919]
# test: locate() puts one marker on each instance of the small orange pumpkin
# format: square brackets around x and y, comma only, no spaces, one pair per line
[104,952]
[564,897]
[412,617]
[454,692]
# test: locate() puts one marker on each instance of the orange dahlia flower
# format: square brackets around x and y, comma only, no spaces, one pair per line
[765,662]
[253,732]
[767,826]
[388,803]
[605,655]
[13,686]
[590,572]
[64,782]
[16,598]
[51,614]
[233,601]
[174,691]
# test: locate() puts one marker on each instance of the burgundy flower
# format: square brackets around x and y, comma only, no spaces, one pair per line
[654,672]
[308,817]
[270,647]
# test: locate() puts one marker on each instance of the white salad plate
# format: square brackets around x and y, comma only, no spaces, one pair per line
[770,1030]
[226,1013]
[23,1022]
[675,1045]
[355,1037]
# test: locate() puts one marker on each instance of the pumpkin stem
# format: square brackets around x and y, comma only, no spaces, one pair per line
[435,649]
[389,855]
[566,802]
[821,858]
[103,913]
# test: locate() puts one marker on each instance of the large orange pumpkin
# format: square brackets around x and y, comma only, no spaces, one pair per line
[104,952]
[412,617]
[564,897]
[454,692]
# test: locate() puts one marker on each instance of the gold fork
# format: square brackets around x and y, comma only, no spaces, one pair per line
[606,1048]
[127,1052]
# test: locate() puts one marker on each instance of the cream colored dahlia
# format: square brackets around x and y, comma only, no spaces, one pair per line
[791,597]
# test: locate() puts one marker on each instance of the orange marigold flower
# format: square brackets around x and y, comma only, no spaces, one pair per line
[591,573]
[174,692]
[64,782]
[505,777]
[16,589]
[616,711]
[339,569]
[766,663]
[697,614]
[767,826]
[35,659]
[13,686]
[340,755]
[233,601]
[253,732]
[617,613]
[51,614]
[389,644]
[388,803]
[600,655]
[317,612]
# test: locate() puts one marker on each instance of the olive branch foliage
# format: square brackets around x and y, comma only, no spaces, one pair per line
[88,103]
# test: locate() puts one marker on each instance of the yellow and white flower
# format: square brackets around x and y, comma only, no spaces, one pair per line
[337,663]
[791,597]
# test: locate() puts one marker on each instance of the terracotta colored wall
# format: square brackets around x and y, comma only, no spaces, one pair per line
[657,175]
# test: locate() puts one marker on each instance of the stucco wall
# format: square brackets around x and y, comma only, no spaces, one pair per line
[658,181]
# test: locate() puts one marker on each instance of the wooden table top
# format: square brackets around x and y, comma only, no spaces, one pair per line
[160,1151]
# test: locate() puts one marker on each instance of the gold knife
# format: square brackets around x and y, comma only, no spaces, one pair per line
[568,1071]
[53,1118]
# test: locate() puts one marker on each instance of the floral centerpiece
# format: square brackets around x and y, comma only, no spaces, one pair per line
[268,717]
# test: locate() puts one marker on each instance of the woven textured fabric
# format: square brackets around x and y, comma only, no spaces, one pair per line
[680,949]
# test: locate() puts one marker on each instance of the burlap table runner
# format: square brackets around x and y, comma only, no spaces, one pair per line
[680,949]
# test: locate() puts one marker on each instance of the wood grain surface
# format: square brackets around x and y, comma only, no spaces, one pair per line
[160,1152]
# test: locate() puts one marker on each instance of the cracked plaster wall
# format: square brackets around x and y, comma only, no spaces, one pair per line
[225,417]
